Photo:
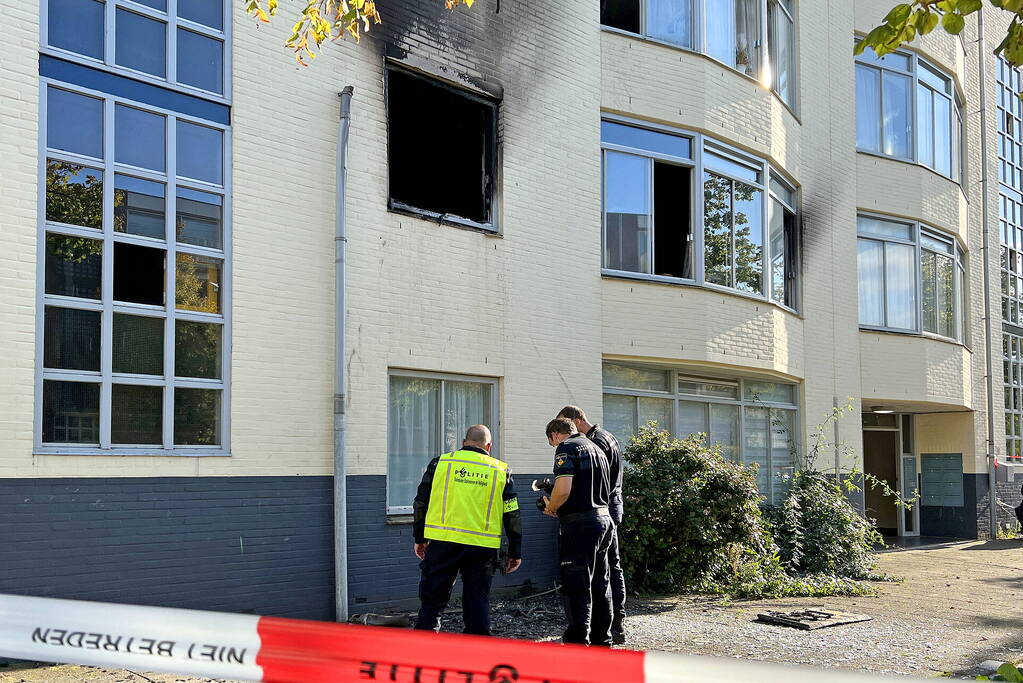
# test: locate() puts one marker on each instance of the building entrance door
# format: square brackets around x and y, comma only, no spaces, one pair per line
[888,456]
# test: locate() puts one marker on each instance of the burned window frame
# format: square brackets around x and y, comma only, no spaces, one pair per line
[491,152]
[209,436]
[770,183]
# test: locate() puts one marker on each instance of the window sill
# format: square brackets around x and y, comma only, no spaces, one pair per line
[697,53]
[918,335]
[911,162]
[150,452]
[442,218]
[715,289]
[398,519]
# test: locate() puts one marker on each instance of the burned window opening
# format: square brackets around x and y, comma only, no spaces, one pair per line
[441,148]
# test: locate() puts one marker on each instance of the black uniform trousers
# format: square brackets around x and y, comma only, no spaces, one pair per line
[614,561]
[442,565]
[585,589]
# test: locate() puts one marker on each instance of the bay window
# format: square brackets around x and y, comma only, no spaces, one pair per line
[657,223]
[747,421]
[907,109]
[734,32]
[911,279]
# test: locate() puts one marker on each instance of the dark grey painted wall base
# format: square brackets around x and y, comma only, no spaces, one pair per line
[382,570]
[260,545]
[973,520]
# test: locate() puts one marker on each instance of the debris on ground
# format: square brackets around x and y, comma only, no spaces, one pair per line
[811,619]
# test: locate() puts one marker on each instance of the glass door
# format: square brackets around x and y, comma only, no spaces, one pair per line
[909,518]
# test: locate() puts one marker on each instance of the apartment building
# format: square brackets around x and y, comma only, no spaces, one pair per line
[705,213]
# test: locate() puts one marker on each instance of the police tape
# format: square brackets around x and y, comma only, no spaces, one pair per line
[252,648]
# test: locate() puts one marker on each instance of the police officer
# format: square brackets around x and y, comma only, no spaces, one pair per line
[579,500]
[463,501]
[607,443]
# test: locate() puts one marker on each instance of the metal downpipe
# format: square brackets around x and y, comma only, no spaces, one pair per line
[340,286]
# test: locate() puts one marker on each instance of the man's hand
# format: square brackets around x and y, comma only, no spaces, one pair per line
[547,507]
[420,550]
[511,564]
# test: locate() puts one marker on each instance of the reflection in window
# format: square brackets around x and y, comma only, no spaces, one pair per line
[733,234]
[139,206]
[200,61]
[198,283]
[199,218]
[197,349]
[71,339]
[200,152]
[197,417]
[139,138]
[141,43]
[70,412]
[74,123]
[74,194]
[76,26]
[74,266]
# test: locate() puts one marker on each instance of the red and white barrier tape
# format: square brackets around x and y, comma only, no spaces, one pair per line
[251,648]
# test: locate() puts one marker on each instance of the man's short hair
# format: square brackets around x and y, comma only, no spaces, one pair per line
[573,413]
[560,425]
[478,434]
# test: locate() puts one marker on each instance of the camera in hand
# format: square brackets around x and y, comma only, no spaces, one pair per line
[544,486]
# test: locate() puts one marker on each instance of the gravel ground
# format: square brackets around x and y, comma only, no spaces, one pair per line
[957,605]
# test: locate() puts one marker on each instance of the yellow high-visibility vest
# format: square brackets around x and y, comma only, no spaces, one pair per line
[467,499]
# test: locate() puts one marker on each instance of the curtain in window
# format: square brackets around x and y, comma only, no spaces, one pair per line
[655,410]
[756,430]
[900,278]
[747,36]
[868,108]
[627,214]
[720,22]
[413,437]
[620,416]
[929,290]
[692,418]
[782,456]
[871,282]
[782,47]
[465,404]
[897,108]
[670,20]
[724,429]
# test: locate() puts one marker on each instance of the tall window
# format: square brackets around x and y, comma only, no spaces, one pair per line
[911,279]
[748,421]
[889,90]
[427,415]
[133,321]
[781,43]
[731,31]
[655,223]
[145,39]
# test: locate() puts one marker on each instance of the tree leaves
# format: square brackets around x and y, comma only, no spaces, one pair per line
[326,21]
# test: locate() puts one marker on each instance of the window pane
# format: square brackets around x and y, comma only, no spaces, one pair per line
[670,21]
[71,339]
[717,229]
[139,274]
[138,344]
[770,392]
[868,108]
[897,108]
[197,349]
[898,60]
[74,266]
[643,379]
[783,191]
[747,36]
[928,291]
[692,418]
[139,138]
[731,167]
[206,12]
[876,226]
[413,435]
[656,410]
[935,244]
[77,26]
[924,125]
[720,20]
[643,138]
[946,297]
[749,239]
[465,404]
[70,412]
[942,135]
[961,318]
[907,434]
[871,282]
[136,414]
[139,206]
[782,47]
[627,212]
[155,4]
[776,222]
[724,429]
[200,218]
[74,122]
[198,283]
[756,426]
[200,61]
[696,388]
[782,456]
[196,417]
[200,152]
[620,416]
[141,43]
[900,278]
[933,79]
[74,194]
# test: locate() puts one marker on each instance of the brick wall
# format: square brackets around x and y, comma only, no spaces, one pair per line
[261,545]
